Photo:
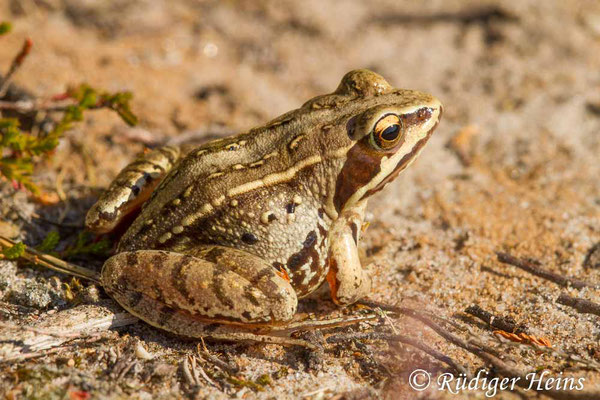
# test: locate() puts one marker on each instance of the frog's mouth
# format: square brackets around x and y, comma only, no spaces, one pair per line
[404,161]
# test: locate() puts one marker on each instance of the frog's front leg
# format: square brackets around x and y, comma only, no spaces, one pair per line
[131,188]
[177,292]
[347,279]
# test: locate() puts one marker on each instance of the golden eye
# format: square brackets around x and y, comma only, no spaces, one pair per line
[387,132]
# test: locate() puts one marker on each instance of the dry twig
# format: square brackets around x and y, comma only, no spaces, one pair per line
[502,323]
[535,269]
[581,305]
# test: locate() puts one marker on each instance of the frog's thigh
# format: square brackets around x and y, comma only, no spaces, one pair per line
[131,188]
[347,279]
[216,284]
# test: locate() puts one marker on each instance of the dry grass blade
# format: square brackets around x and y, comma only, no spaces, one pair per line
[53,263]
[198,371]
[187,372]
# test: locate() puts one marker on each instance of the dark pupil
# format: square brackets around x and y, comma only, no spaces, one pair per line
[391,132]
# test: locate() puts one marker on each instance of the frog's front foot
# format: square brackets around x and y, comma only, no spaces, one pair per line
[174,291]
[348,281]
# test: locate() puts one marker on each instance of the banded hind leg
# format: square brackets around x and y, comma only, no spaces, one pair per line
[185,294]
[131,188]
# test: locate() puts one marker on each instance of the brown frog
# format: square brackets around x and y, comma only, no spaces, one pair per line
[237,230]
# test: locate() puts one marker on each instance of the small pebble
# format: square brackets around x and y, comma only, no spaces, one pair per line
[142,353]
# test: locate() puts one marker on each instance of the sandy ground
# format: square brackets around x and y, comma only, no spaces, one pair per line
[521,88]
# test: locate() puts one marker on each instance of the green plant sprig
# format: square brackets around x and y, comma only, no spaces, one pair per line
[5,27]
[20,151]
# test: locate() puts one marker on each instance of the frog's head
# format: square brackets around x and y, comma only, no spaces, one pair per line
[388,129]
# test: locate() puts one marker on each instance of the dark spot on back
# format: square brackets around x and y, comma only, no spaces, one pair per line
[291,207]
[249,238]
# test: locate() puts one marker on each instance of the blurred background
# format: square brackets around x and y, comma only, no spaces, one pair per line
[514,165]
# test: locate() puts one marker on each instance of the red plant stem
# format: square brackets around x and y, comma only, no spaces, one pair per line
[14,66]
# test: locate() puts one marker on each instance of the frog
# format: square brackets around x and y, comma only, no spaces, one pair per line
[235,231]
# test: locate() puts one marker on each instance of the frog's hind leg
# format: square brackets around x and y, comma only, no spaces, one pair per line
[200,295]
[131,188]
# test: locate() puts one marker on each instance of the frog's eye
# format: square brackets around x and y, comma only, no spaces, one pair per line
[387,132]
